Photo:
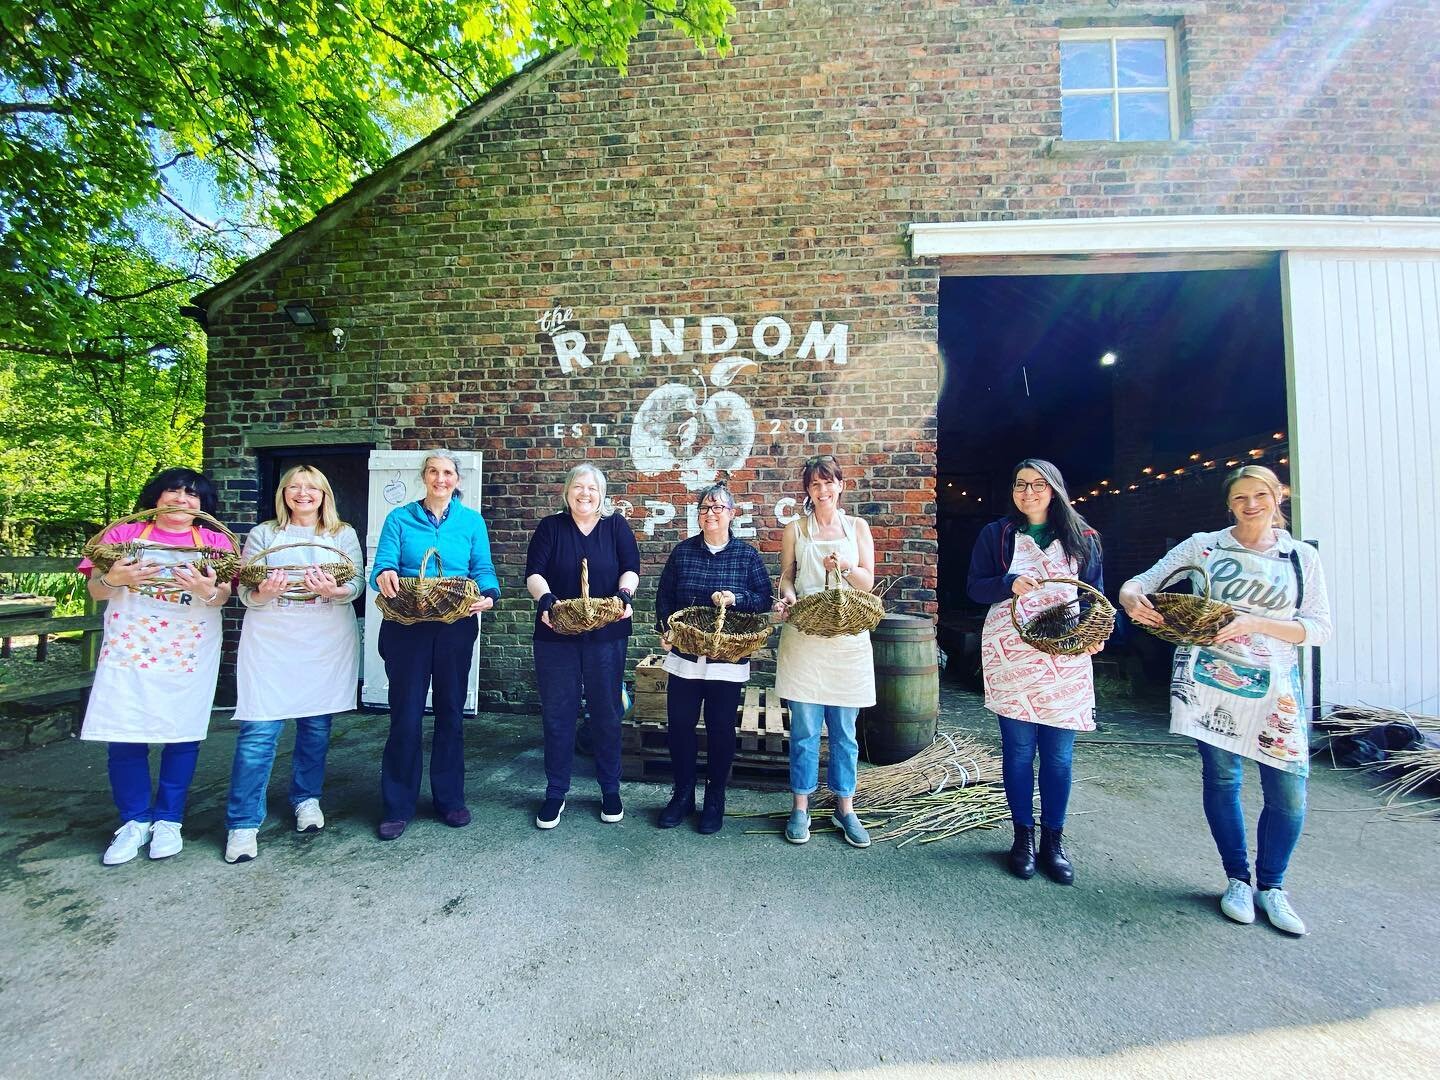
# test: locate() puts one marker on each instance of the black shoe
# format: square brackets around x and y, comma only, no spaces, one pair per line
[680,806]
[610,809]
[1022,852]
[712,816]
[549,815]
[1052,858]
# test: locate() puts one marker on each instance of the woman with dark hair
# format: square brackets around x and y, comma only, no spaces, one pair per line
[155,679]
[711,567]
[1241,696]
[825,681]
[430,657]
[1040,700]
[588,666]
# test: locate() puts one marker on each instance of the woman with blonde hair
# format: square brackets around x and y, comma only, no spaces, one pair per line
[298,657]
[1241,697]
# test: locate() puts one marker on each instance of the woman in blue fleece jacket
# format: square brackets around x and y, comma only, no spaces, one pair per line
[429,656]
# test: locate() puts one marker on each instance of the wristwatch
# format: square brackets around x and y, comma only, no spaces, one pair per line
[846,572]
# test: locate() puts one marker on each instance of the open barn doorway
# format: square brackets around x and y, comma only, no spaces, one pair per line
[1144,388]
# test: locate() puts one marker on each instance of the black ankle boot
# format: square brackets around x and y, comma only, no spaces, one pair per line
[712,815]
[1052,858]
[680,806]
[1022,852]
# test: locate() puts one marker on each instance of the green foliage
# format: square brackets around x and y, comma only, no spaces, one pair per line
[114,115]
[68,590]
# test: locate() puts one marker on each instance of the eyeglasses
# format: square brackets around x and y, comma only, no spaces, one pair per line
[1037,486]
[818,458]
[715,508]
[296,489]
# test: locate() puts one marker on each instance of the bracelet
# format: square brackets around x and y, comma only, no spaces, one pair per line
[108,585]
[210,600]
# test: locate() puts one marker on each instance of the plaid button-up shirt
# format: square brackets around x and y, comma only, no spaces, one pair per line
[693,572]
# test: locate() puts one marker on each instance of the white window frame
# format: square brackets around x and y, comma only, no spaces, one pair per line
[1113,34]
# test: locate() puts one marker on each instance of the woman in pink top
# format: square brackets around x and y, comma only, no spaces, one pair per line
[155,680]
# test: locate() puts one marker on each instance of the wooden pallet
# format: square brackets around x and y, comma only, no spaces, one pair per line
[762,745]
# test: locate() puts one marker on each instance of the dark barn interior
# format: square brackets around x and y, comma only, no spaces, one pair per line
[1144,388]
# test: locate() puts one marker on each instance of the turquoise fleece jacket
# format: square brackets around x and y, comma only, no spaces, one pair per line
[461,539]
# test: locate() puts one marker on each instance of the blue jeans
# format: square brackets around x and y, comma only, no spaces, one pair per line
[806,720]
[564,672]
[129,765]
[1281,819]
[1019,740]
[255,756]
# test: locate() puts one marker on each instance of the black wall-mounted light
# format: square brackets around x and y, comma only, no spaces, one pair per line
[301,314]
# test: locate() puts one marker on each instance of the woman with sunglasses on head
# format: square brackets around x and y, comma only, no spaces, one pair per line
[155,679]
[710,568]
[825,681]
[298,659]
[1241,696]
[1040,700]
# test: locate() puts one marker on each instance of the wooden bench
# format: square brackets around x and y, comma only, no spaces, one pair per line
[42,625]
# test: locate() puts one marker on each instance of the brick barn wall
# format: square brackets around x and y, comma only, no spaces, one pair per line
[776,181]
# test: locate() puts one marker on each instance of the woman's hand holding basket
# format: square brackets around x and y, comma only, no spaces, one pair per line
[129,572]
[388,582]
[1024,584]
[201,582]
[1139,608]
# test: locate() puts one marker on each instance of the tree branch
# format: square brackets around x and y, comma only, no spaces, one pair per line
[49,108]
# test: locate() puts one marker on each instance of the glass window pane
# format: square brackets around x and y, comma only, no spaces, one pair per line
[1141,62]
[1144,117]
[1086,116]
[1084,65]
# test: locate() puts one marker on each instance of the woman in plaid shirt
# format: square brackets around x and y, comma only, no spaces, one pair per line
[710,568]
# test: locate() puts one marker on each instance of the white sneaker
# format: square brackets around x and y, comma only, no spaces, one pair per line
[240,845]
[165,839]
[1238,903]
[1276,906]
[308,817]
[129,839]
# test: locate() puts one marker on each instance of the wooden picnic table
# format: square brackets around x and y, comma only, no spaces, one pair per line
[24,614]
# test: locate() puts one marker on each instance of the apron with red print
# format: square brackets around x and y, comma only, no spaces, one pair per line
[155,679]
[1022,682]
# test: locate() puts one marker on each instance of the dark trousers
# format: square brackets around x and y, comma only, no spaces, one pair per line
[564,672]
[720,700]
[1019,741]
[430,656]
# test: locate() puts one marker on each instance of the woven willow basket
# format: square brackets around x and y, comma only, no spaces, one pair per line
[1189,619]
[104,555]
[1069,628]
[429,599]
[583,614]
[256,568]
[837,610]
[719,632]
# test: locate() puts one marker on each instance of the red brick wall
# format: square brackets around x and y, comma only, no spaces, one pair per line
[779,181]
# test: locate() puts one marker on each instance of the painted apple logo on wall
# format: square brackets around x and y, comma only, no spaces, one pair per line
[701,437]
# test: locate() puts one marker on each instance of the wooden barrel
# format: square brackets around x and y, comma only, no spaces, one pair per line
[907,690]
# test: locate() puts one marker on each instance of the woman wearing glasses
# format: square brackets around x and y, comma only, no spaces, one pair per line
[1241,696]
[1041,701]
[710,568]
[298,658]
[825,681]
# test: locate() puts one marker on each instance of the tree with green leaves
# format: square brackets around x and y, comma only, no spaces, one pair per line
[145,148]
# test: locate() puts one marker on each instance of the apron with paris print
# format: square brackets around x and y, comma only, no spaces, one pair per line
[155,679]
[1022,682]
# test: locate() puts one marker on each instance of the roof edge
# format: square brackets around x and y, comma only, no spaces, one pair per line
[213,301]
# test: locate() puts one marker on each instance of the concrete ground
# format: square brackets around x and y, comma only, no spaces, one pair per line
[621,950]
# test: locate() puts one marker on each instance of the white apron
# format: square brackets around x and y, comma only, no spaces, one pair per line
[155,679]
[297,657]
[824,671]
[1245,695]
[1022,682]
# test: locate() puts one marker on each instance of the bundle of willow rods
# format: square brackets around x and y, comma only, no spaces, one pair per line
[950,787]
[1417,769]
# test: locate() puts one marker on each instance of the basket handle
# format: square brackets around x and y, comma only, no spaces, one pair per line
[585,582]
[1015,600]
[1179,569]
[719,628]
[432,553]
[156,511]
[833,574]
[263,553]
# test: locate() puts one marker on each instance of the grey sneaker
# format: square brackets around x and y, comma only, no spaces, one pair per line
[797,829]
[1276,906]
[308,817]
[1238,903]
[850,827]
[240,845]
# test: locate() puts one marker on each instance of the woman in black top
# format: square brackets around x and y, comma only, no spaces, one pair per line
[568,666]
